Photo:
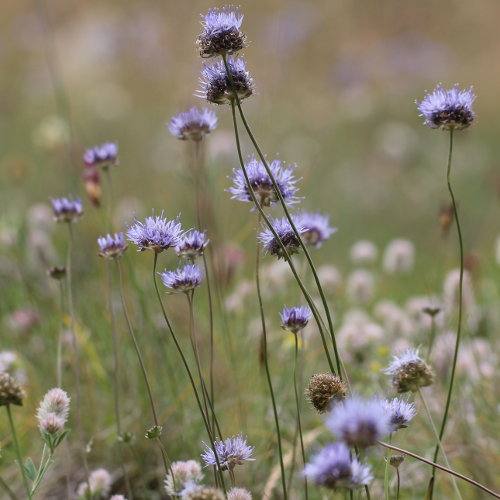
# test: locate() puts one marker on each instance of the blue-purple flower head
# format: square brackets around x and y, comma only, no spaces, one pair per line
[105,155]
[183,279]
[155,233]
[316,227]
[192,245]
[231,452]
[295,319]
[285,233]
[221,32]
[448,109]
[400,413]
[216,87]
[261,182]
[409,372]
[334,468]
[112,246]
[359,422]
[67,209]
[193,124]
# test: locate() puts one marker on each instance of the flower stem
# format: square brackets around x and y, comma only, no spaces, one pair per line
[60,336]
[386,471]
[432,336]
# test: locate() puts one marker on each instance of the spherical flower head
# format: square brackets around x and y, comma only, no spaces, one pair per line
[363,252]
[239,494]
[231,452]
[325,389]
[399,256]
[193,125]
[409,372]
[262,185]
[192,245]
[156,233]
[359,422]
[112,246]
[400,412]
[117,497]
[216,86]
[295,319]
[67,209]
[285,233]
[183,279]
[448,109]
[10,391]
[99,483]
[105,155]
[221,32]
[203,493]
[55,402]
[51,424]
[316,228]
[333,468]
[181,475]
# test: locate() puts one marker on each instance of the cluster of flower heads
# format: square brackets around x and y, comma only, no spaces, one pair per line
[295,319]
[112,246]
[230,452]
[67,209]
[193,124]
[11,392]
[104,156]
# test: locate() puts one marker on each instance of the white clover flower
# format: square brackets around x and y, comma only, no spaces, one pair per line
[399,257]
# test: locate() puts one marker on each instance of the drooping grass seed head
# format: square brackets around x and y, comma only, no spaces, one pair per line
[221,32]
[448,109]
[192,245]
[11,392]
[112,246]
[239,494]
[231,452]
[203,493]
[104,156]
[216,86]
[183,279]
[285,233]
[316,228]
[67,209]
[400,413]
[295,319]
[99,484]
[333,468]
[182,475]
[262,185]
[359,422]
[57,272]
[409,372]
[325,389]
[193,125]
[156,233]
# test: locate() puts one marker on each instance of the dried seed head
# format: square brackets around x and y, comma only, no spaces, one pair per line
[10,391]
[397,460]
[239,494]
[324,389]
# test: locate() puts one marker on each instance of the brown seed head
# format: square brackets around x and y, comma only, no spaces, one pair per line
[324,389]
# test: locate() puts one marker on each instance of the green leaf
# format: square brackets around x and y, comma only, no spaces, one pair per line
[30,469]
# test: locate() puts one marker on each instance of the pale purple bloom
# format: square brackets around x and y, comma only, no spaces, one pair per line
[104,155]
[448,109]
[285,233]
[215,83]
[183,279]
[295,318]
[193,124]
[316,227]
[400,412]
[221,32]
[359,422]
[67,209]
[230,452]
[334,468]
[410,356]
[261,182]
[112,246]
[155,233]
[192,245]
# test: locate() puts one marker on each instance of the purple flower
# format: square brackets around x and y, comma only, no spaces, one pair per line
[334,468]
[192,245]
[295,319]
[155,233]
[216,86]
[400,412]
[285,233]
[183,279]
[409,371]
[112,246]
[104,156]
[67,209]
[231,452]
[316,227]
[447,109]
[359,422]
[261,182]
[221,32]
[193,124]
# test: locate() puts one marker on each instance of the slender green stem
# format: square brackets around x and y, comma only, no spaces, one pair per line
[440,467]
[387,470]
[6,487]
[432,336]
[460,307]
[60,336]
[306,294]
[399,483]
[18,452]
[266,364]
[109,204]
